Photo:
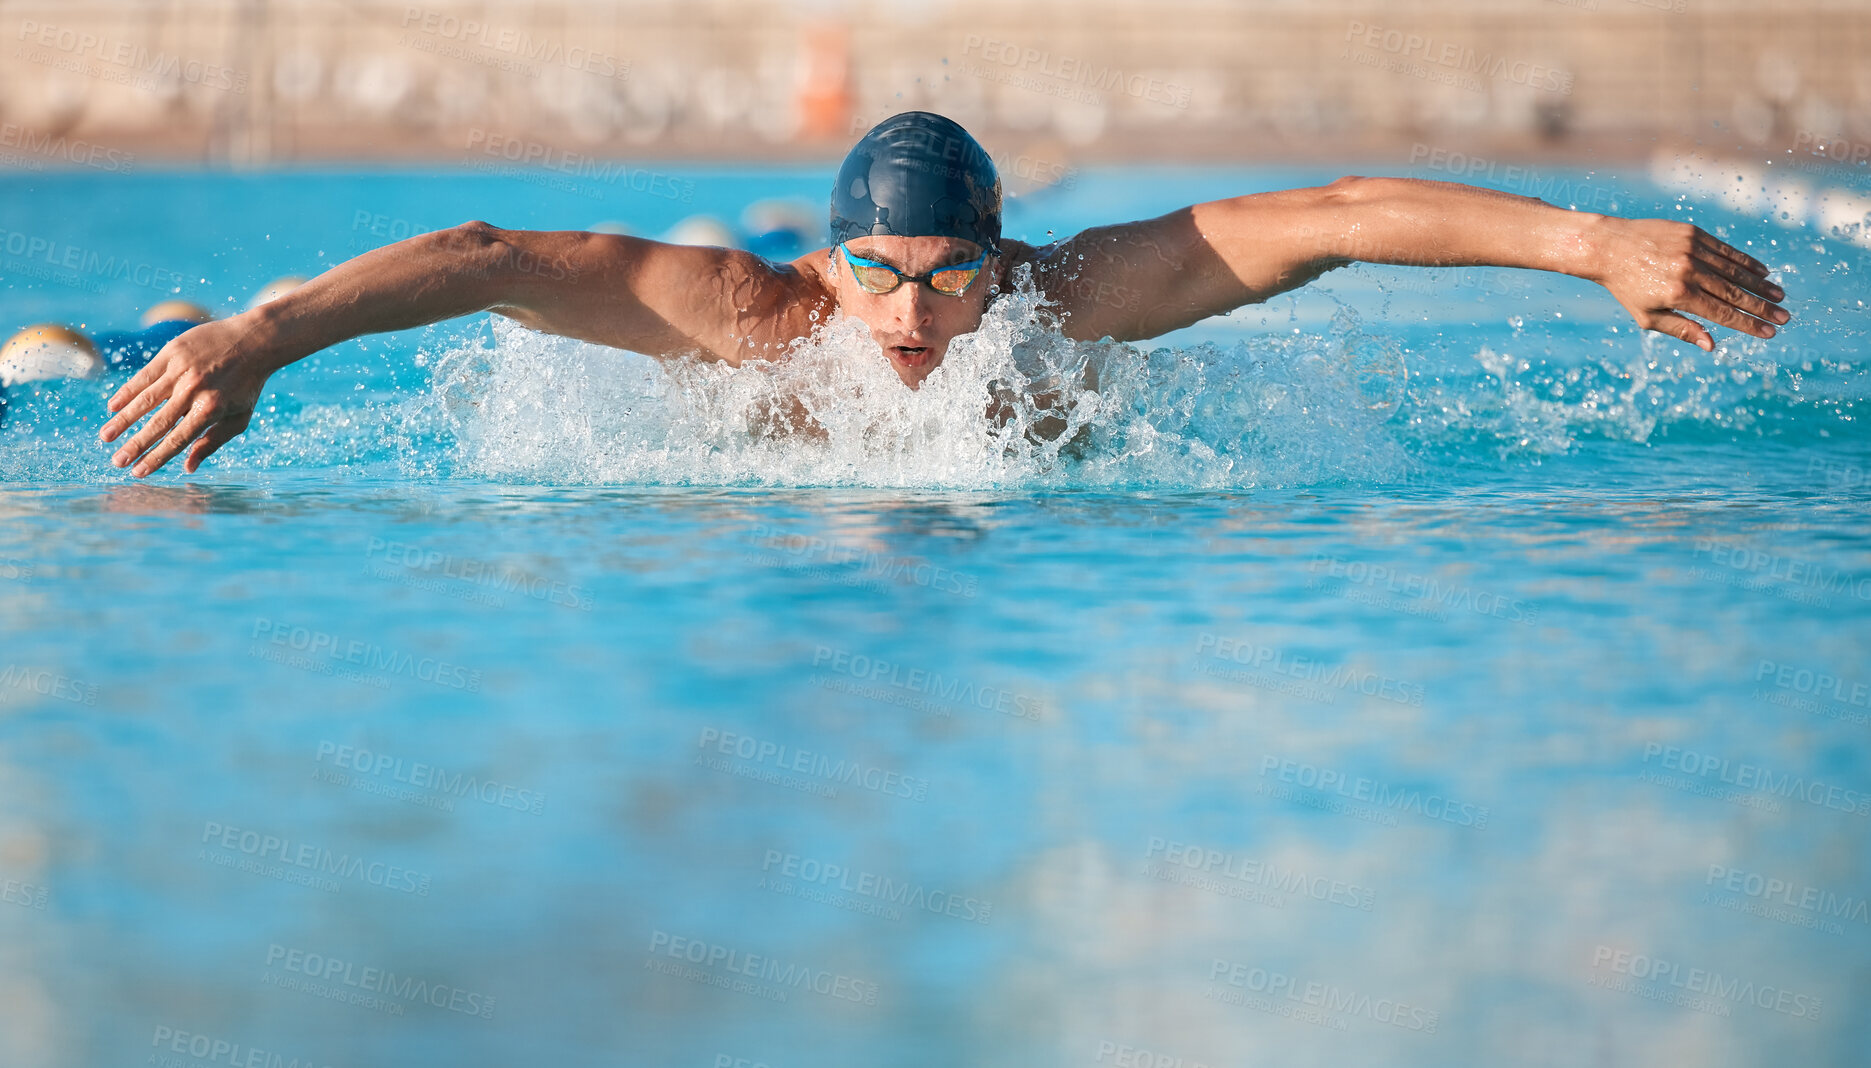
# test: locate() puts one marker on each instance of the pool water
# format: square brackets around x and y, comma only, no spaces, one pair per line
[1400,672]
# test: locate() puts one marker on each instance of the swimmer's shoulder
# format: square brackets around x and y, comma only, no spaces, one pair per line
[1014,253]
[1017,254]
[808,286]
[811,270]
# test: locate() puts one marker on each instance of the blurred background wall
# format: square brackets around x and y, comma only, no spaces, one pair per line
[564,83]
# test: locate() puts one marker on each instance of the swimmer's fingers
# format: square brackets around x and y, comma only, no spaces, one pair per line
[152,431]
[218,435]
[1761,315]
[147,375]
[1741,276]
[1678,326]
[133,402]
[200,416]
[1718,309]
[1708,307]
[1715,246]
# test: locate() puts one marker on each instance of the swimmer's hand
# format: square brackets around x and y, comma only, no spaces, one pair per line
[1660,269]
[202,387]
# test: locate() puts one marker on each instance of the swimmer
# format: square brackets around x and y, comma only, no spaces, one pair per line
[917,255]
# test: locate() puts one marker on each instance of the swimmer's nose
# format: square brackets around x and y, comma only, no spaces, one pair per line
[911,306]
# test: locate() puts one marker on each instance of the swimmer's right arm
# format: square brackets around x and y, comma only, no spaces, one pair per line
[627,292]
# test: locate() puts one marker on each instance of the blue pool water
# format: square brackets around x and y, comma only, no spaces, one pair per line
[1406,673]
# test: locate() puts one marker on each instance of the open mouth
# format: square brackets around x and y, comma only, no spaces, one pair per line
[910,355]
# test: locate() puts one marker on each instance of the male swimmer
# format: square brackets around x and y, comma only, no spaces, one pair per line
[918,256]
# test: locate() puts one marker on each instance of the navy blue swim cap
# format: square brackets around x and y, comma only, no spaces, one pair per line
[918,175]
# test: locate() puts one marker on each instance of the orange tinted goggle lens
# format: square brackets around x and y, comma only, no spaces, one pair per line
[953,282]
[876,279]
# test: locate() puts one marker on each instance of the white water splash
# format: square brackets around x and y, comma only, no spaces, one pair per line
[1010,407]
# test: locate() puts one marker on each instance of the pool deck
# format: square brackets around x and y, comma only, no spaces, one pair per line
[1595,81]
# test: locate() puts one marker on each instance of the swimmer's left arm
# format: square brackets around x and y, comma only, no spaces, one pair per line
[1139,280]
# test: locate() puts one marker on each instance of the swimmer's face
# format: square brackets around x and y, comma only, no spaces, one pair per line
[914,323]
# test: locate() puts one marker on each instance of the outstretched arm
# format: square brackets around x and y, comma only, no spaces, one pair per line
[1138,280]
[627,292]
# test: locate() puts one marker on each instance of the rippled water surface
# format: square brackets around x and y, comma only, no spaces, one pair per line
[1404,672]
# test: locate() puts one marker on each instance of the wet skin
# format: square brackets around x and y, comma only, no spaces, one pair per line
[912,323]
[1125,282]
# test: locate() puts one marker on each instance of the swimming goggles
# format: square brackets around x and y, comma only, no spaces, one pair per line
[882,278]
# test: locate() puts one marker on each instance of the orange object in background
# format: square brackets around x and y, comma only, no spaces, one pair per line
[825,81]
